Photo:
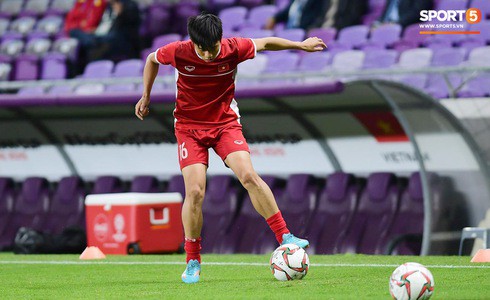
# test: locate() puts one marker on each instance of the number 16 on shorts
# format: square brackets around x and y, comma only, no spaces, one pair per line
[183,153]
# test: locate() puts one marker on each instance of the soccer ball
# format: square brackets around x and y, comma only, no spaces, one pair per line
[411,281]
[289,262]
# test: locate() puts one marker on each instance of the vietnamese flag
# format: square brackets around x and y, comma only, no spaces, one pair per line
[383,126]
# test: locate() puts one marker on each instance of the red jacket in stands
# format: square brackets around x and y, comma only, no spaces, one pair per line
[85,15]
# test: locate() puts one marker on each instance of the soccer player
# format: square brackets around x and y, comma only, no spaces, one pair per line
[206,116]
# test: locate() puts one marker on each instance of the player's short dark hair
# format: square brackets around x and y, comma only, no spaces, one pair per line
[205,30]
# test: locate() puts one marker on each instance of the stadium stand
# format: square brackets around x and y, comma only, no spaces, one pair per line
[7,195]
[67,208]
[31,206]
[337,204]
[221,204]
[108,184]
[250,229]
[377,207]
[145,184]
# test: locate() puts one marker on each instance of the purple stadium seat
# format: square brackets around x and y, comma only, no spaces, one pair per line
[296,34]
[89,89]
[471,44]
[249,70]
[31,91]
[7,196]
[53,67]
[23,25]
[219,209]
[254,33]
[218,5]
[280,62]
[250,228]
[60,90]
[376,209]
[479,86]
[11,48]
[4,24]
[436,85]
[297,205]
[66,46]
[145,184]
[411,38]
[120,88]
[67,206]
[483,6]
[353,36]
[30,208]
[38,46]
[26,67]
[348,61]
[250,3]
[107,185]
[233,17]
[157,20]
[415,58]
[98,69]
[176,185]
[183,11]
[316,61]
[5,71]
[258,16]
[452,5]
[165,39]
[336,206]
[326,34]
[484,29]
[410,217]
[476,87]
[50,25]
[35,8]
[10,8]
[412,59]
[379,59]
[384,36]
[60,7]
[128,68]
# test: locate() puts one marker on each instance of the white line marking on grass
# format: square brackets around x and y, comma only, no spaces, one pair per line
[47,262]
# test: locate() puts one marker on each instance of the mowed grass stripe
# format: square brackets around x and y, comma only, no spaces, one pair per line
[46,262]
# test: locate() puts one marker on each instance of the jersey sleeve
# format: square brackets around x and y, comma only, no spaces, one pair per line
[246,48]
[166,55]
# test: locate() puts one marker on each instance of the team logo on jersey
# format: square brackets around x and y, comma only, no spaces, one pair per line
[190,68]
[223,68]
[238,142]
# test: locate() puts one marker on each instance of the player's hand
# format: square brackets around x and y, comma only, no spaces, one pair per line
[313,44]
[142,108]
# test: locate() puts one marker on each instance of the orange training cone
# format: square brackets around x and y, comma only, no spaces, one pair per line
[482,256]
[92,253]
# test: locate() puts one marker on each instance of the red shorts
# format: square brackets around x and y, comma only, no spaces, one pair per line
[193,144]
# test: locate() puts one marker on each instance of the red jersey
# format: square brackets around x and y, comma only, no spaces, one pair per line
[206,90]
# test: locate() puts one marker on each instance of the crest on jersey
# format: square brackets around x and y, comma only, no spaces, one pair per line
[190,68]
[223,68]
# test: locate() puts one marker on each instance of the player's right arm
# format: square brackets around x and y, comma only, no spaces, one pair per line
[142,108]
[311,44]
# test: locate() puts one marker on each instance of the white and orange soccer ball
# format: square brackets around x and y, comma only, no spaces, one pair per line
[289,262]
[411,281]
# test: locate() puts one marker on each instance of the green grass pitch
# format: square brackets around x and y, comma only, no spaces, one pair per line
[227,277]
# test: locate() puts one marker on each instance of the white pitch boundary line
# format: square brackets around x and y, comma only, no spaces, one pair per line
[41,262]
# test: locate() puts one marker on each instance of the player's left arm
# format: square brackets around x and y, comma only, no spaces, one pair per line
[311,44]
